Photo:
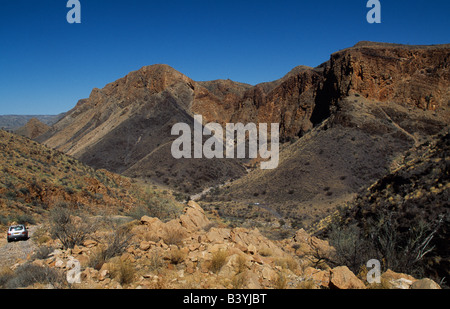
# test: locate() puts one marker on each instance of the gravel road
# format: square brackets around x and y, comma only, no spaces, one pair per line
[13,251]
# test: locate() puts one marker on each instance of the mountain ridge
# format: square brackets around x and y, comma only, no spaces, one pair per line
[118,126]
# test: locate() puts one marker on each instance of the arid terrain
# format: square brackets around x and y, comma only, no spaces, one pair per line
[364,167]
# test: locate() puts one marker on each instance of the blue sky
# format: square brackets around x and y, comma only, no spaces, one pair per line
[47,64]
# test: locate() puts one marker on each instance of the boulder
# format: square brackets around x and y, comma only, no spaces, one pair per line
[194,217]
[218,235]
[144,245]
[425,284]
[90,243]
[343,278]
[397,280]
[268,273]
[146,220]
[320,277]
[400,284]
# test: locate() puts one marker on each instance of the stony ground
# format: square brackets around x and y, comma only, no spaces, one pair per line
[189,253]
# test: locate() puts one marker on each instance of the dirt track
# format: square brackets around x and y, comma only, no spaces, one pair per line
[13,251]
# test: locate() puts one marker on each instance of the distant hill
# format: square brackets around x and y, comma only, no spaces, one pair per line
[126,127]
[13,122]
[33,129]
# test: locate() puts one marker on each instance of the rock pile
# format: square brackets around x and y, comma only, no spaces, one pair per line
[190,252]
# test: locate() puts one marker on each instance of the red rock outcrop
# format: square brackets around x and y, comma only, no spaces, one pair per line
[413,75]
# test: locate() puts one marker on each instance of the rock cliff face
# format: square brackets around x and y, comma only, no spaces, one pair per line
[414,76]
[418,76]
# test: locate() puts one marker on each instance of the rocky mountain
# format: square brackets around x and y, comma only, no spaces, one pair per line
[415,76]
[365,132]
[404,217]
[126,128]
[357,123]
[343,125]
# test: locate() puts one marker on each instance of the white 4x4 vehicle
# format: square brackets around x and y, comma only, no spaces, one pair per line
[16,232]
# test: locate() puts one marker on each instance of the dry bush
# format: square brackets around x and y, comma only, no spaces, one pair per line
[41,236]
[29,274]
[308,284]
[155,261]
[265,252]
[124,272]
[174,236]
[117,241]
[241,263]
[287,263]
[218,261]
[69,229]
[239,281]
[177,256]
[42,252]
[281,282]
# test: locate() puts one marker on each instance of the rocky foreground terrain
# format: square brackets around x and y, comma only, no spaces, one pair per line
[194,251]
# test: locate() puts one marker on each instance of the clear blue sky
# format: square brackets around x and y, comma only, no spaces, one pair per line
[47,64]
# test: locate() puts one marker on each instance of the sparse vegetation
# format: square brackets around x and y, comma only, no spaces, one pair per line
[69,229]
[218,260]
[402,220]
[177,256]
[30,274]
[174,237]
[401,216]
[124,272]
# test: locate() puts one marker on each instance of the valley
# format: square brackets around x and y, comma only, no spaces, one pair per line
[362,137]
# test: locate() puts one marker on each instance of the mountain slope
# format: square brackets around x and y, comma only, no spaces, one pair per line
[372,103]
[35,179]
[404,217]
[125,127]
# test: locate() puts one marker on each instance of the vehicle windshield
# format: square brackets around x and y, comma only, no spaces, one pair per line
[16,228]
